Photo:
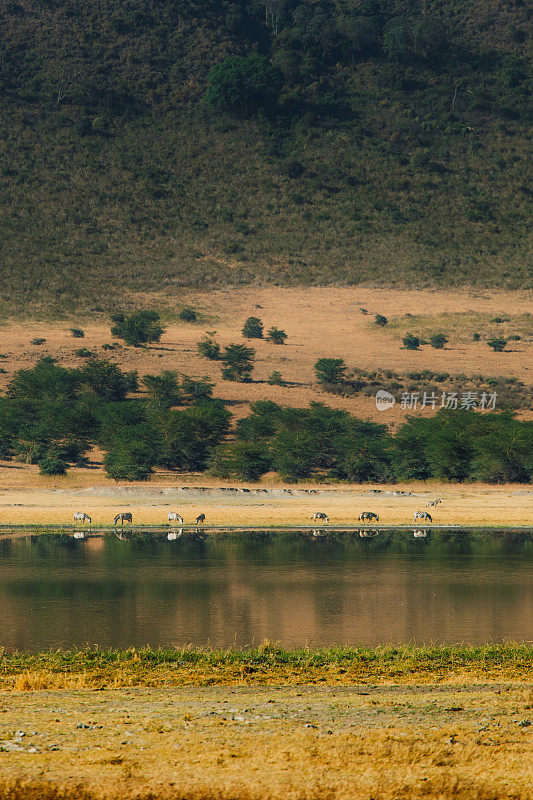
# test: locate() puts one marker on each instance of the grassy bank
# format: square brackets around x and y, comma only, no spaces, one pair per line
[267,664]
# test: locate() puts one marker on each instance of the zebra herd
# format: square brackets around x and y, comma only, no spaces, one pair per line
[127,516]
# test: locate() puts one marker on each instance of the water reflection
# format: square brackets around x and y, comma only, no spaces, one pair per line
[322,587]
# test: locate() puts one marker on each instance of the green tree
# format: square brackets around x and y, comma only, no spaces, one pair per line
[438,340]
[330,370]
[209,348]
[242,84]
[138,328]
[107,381]
[244,460]
[253,328]
[163,389]
[188,314]
[276,335]
[238,362]
[52,465]
[411,342]
[129,461]
[498,343]
[379,319]
[194,390]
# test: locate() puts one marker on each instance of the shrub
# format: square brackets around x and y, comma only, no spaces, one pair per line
[107,381]
[438,340]
[209,348]
[411,342]
[379,319]
[275,379]
[51,465]
[330,370]
[499,320]
[243,84]
[197,389]
[188,314]
[38,340]
[276,336]
[77,333]
[138,328]
[163,389]
[238,362]
[498,343]
[514,337]
[253,328]
[83,352]
[476,337]
[129,461]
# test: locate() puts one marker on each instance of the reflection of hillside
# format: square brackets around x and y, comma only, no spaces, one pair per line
[239,591]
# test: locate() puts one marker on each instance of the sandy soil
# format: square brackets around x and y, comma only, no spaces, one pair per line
[475,504]
[319,322]
[333,743]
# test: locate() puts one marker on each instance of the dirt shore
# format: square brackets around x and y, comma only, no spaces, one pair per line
[262,505]
[306,742]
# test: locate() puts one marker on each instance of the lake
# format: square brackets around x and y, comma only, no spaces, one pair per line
[294,588]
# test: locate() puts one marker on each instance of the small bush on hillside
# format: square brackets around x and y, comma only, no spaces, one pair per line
[238,362]
[499,320]
[138,328]
[38,340]
[52,465]
[209,348]
[276,379]
[411,342]
[379,319]
[514,337]
[476,337]
[83,352]
[498,343]
[330,370]
[253,328]
[188,314]
[438,340]
[77,333]
[276,336]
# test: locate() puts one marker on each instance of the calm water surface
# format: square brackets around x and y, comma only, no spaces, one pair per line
[237,589]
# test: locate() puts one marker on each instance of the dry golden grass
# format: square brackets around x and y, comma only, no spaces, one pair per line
[300,743]
[472,504]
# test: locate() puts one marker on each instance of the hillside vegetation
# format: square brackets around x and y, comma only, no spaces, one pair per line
[377,141]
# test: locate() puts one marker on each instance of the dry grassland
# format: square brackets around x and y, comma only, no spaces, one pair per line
[467,742]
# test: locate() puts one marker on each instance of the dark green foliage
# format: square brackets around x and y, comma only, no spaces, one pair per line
[276,379]
[38,340]
[77,333]
[238,362]
[189,436]
[163,389]
[438,340]
[83,352]
[138,328]
[411,342]
[253,328]
[129,461]
[209,348]
[51,465]
[188,314]
[476,337]
[244,460]
[276,336]
[379,319]
[330,370]
[107,381]
[194,390]
[244,84]
[497,343]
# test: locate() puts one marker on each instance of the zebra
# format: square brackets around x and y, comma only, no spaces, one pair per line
[434,503]
[125,517]
[200,519]
[368,516]
[320,515]
[173,516]
[81,516]
[422,515]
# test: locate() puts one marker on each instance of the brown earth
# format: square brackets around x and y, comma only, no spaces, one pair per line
[465,741]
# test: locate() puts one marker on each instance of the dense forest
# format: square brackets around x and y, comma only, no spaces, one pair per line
[155,145]
[54,417]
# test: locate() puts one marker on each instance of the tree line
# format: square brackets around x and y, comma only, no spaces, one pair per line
[53,416]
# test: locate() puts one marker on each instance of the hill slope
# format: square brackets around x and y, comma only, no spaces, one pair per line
[383,162]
